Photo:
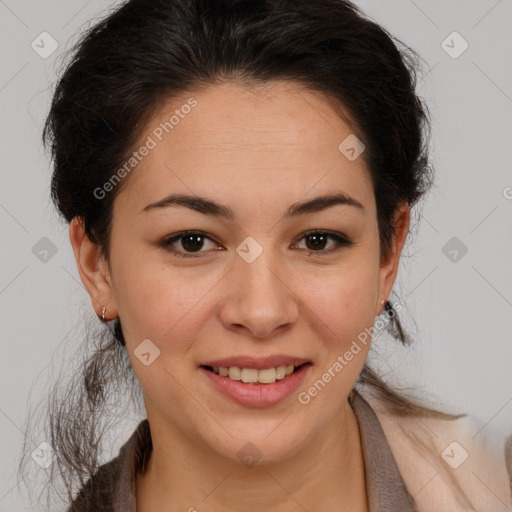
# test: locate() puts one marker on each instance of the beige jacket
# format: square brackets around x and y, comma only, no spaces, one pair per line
[461,459]
[465,460]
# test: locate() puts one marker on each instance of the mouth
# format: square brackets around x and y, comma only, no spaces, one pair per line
[255,376]
[264,386]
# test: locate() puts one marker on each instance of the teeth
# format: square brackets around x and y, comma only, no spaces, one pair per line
[235,373]
[252,375]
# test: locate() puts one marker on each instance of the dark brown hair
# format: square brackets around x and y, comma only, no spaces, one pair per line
[146,51]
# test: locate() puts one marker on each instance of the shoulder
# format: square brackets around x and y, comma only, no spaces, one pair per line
[112,485]
[97,493]
[450,464]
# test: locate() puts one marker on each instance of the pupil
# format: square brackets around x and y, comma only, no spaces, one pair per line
[320,240]
[192,246]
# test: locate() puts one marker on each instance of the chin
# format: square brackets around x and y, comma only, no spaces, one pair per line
[252,450]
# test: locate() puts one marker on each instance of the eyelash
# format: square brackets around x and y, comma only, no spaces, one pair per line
[341,241]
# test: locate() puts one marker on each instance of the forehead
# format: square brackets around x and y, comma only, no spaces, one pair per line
[279,141]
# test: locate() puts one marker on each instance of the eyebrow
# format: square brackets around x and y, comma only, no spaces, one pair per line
[210,207]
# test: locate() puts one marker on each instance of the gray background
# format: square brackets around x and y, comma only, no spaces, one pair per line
[457,307]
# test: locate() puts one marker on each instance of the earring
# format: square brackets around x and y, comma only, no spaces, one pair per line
[103,314]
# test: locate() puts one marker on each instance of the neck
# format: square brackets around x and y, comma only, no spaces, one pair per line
[326,473]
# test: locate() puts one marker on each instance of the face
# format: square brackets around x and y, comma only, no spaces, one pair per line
[266,280]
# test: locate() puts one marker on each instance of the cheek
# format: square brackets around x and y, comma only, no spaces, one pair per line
[169,308]
[345,299]
[163,304]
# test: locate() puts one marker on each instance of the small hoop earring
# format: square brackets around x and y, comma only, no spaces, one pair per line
[103,314]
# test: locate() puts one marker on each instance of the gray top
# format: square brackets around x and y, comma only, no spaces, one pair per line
[113,485]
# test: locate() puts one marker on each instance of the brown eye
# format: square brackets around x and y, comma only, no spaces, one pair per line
[316,241]
[190,241]
[188,244]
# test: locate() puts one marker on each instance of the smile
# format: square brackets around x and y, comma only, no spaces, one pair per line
[251,387]
[253,375]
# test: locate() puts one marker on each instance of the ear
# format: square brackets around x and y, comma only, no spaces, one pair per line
[93,269]
[389,266]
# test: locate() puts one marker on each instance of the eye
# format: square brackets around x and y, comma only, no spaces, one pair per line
[193,241]
[316,241]
[190,241]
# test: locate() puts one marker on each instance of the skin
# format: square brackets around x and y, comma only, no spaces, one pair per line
[257,152]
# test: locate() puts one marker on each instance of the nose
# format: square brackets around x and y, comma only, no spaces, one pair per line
[260,298]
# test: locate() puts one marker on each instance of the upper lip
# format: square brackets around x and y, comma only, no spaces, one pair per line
[258,363]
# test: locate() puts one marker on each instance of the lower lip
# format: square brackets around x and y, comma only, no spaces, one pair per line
[258,395]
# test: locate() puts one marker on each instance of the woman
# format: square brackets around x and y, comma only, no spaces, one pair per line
[238,177]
